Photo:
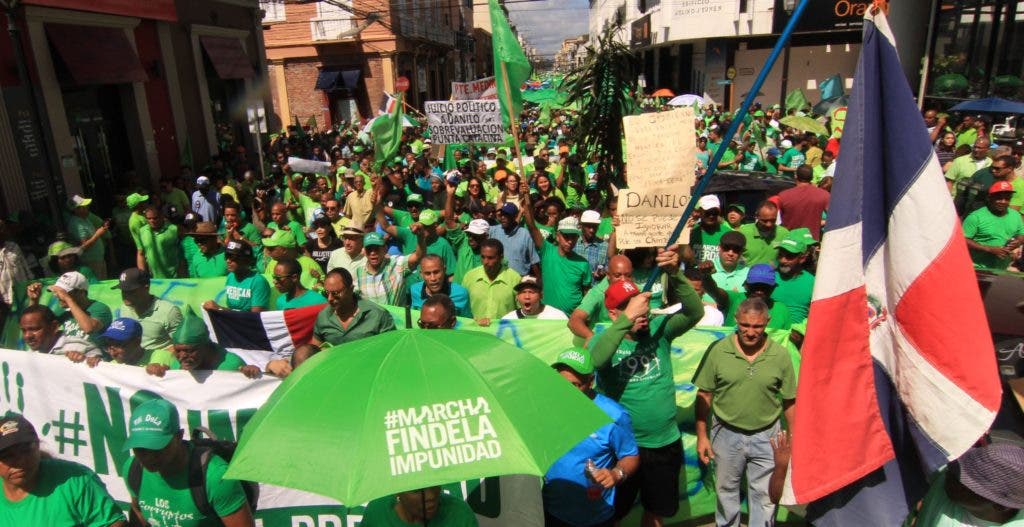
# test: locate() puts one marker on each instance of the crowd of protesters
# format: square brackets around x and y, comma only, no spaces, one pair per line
[474,232]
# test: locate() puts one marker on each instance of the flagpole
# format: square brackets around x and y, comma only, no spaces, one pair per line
[512,120]
[733,126]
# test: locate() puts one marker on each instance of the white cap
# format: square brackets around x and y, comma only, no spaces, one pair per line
[79,201]
[478,227]
[786,143]
[202,180]
[569,225]
[590,216]
[708,202]
[72,281]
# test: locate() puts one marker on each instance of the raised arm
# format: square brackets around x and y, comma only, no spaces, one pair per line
[535,233]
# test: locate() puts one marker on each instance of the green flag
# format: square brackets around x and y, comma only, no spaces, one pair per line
[795,100]
[387,134]
[508,53]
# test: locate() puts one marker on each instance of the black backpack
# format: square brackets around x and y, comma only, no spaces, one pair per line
[203,448]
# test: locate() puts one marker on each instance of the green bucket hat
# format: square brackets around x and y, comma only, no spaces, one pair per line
[153,424]
[57,247]
[192,330]
[576,359]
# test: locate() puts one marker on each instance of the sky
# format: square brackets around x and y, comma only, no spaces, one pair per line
[545,23]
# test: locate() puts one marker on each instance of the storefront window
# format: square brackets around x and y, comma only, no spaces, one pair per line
[978,51]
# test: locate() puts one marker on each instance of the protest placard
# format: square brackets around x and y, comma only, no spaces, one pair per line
[309,166]
[662,155]
[453,122]
[478,89]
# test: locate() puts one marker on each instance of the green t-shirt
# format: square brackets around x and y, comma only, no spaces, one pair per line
[247,293]
[295,228]
[568,277]
[442,248]
[80,230]
[66,493]
[750,161]
[779,312]
[136,221]
[169,501]
[759,249]
[795,293]
[639,376]
[161,250]
[452,512]
[202,266]
[792,158]
[705,244]
[986,228]
[69,325]
[465,259]
[309,298]
[747,395]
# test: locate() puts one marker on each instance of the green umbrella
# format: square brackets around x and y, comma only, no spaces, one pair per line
[412,409]
[804,123]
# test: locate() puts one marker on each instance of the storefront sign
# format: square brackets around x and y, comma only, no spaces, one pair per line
[824,15]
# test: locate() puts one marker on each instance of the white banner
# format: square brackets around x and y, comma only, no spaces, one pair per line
[309,166]
[479,89]
[452,122]
[81,414]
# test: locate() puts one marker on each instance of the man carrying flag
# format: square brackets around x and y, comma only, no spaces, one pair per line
[884,395]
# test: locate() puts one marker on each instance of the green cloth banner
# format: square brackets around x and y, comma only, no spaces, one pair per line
[543,338]
[508,53]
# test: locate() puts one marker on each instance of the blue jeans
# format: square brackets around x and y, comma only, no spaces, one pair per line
[737,453]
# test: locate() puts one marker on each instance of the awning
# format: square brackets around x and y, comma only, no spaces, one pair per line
[96,55]
[334,79]
[228,57]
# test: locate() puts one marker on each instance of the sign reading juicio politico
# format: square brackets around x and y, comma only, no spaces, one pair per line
[662,154]
[453,122]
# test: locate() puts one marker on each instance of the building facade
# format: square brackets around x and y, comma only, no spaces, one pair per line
[333,61]
[101,96]
[718,47]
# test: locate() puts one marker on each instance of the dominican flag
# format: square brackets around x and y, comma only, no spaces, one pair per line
[257,336]
[898,374]
[387,104]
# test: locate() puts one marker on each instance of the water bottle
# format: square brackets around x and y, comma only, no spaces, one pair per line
[594,489]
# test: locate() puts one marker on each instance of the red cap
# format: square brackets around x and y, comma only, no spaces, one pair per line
[776,200]
[1000,186]
[619,292]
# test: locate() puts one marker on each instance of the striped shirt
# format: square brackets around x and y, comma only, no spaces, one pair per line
[388,285]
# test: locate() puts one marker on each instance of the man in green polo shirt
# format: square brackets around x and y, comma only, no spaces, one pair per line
[762,234]
[293,295]
[137,220]
[159,246]
[491,286]
[244,289]
[159,318]
[348,317]
[634,367]
[279,220]
[745,383]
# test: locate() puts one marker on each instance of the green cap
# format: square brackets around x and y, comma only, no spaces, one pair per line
[803,233]
[759,113]
[793,244]
[576,359]
[414,198]
[372,239]
[429,217]
[57,247]
[357,148]
[396,160]
[192,330]
[153,424]
[280,238]
[737,206]
[134,200]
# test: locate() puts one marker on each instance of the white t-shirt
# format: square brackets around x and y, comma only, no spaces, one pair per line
[548,313]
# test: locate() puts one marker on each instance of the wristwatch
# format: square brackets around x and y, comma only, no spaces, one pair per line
[621,473]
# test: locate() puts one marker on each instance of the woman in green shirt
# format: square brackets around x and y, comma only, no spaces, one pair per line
[419,507]
[41,490]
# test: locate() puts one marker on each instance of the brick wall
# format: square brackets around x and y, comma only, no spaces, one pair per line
[304,100]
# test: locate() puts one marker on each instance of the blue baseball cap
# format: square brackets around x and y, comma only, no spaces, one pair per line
[122,330]
[510,209]
[761,274]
